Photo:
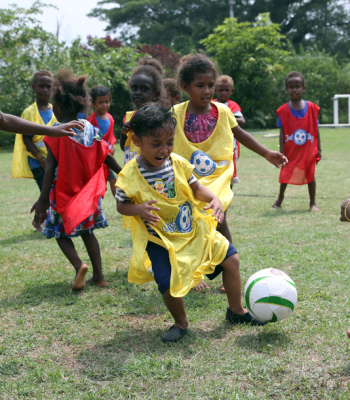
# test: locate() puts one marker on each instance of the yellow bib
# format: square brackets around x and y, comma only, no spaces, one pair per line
[212,159]
[20,167]
[185,229]
[130,150]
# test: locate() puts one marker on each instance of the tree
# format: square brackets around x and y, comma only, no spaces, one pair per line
[180,24]
[253,54]
[168,58]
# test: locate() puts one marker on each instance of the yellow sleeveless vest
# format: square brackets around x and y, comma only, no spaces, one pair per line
[212,159]
[20,167]
[186,230]
[130,150]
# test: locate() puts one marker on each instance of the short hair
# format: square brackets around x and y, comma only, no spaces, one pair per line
[41,73]
[294,74]
[69,91]
[99,91]
[172,86]
[150,67]
[225,79]
[151,118]
[194,64]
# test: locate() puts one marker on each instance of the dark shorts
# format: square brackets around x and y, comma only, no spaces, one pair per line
[161,266]
[111,175]
[38,174]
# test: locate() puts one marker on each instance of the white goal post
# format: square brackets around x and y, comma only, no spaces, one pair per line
[336,113]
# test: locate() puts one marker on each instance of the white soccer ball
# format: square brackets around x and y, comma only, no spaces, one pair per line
[203,164]
[270,295]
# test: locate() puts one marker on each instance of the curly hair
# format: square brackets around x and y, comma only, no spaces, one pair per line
[193,64]
[172,86]
[151,119]
[38,74]
[69,91]
[99,91]
[152,68]
[294,74]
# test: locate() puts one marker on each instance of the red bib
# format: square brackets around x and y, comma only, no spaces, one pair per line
[109,136]
[81,178]
[300,145]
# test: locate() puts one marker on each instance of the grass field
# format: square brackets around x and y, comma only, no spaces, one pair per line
[106,343]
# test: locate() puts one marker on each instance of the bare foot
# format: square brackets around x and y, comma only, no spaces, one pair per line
[313,208]
[37,226]
[201,286]
[223,289]
[348,333]
[98,282]
[278,202]
[79,281]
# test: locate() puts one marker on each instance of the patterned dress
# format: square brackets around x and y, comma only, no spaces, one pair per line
[53,225]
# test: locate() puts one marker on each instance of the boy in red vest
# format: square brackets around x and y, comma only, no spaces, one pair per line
[101,101]
[224,89]
[299,139]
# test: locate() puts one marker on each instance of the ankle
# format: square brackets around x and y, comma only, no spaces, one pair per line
[182,324]
[238,310]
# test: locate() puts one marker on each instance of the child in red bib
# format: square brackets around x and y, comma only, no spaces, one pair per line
[299,139]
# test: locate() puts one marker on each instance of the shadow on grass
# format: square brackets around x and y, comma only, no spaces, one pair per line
[278,212]
[263,341]
[22,238]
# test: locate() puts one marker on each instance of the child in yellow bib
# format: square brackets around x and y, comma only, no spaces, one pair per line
[146,86]
[170,222]
[29,154]
[204,132]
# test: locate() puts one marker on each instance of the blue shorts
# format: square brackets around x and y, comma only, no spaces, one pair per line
[161,266]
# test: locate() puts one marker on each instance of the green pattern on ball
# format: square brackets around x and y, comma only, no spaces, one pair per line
[250,288]
[278,301]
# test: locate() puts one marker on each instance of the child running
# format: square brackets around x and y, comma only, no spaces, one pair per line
[172,223]
[299,139]
[204,132]
[75,180]
[146,86]
[101,101]
[29,154]
[224,89]
[173,90]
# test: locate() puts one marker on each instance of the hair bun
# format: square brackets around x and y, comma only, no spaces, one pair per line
[82,80]
[152,62]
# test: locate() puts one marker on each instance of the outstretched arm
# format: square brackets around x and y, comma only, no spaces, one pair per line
[10,123]
[202,193]
[274,157]
[42,204]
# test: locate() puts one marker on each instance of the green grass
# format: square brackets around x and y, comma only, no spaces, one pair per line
[106,343]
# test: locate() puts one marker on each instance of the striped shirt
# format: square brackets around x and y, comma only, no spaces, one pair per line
[161,179]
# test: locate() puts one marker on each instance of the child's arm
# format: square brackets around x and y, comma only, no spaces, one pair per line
[319,151]
[202,193]
[124,135]
[36,153]
[143,210]
[274,157]
[13,124]
[111,162]
[282,140]
[42,204]
[240,121]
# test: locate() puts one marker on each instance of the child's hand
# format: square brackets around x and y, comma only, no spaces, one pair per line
[40,208]
[277,159]
[346,205]
[218,212]
[319,155]
[126,128]
[145,212]
[66,129]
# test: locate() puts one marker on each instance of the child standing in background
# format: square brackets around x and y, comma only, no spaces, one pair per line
[173,90]
[29,154]
[101,101]
[224,89]
[146,86]
[299,139]
[75,180]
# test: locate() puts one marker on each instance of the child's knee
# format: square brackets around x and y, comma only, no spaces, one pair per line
[231,262]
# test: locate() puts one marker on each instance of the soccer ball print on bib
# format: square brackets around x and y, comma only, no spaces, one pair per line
[183,221]
[203,164]
[300,137]
[128,155]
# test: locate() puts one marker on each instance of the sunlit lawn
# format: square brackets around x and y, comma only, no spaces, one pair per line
[106,343]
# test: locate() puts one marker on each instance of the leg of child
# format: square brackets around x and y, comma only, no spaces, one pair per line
[112,183]
[176,307]
[224,230]
[312,194]
[68,249]
[93,250]
[280,198]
